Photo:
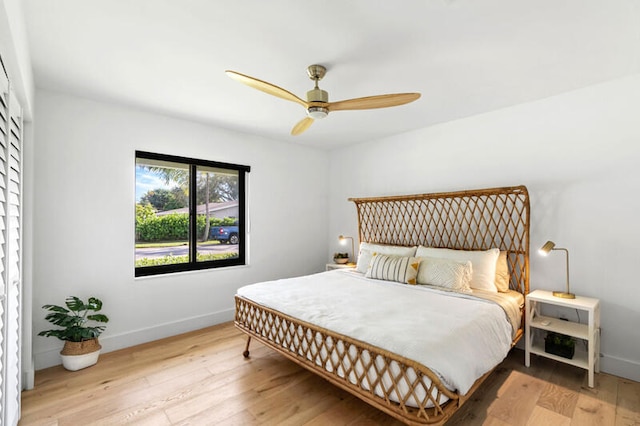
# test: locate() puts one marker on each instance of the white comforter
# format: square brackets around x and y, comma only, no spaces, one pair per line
[459,337]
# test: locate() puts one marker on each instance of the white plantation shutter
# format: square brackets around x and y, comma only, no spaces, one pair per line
[10,252]
[4,138]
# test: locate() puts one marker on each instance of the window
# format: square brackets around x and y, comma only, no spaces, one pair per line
[190,214]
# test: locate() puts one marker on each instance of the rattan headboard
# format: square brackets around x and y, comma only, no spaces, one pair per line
[470,220]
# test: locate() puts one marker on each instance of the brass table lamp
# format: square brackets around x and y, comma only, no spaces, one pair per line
[544,250]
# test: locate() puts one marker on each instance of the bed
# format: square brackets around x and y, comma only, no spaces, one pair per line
[365,334]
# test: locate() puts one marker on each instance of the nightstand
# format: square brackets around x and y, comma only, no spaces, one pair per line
[589,333]
[331,266]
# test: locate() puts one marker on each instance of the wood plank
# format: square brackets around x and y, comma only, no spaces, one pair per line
[243,418]
[229,410]
[569,376]
[154,418]
[492,421]
[288,408]
[590,411]
[219,389]
[541,367]
[370,416]
[543,416]
[628,403]
[349,411]
[474,411]
[130,400]
[515,402]
[233,390]
[42,422]
[558,399]
[56,406]
[144,407]
[605,388]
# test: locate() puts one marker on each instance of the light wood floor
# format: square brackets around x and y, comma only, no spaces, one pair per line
[201,378]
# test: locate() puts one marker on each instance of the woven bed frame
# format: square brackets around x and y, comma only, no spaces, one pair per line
[470,220]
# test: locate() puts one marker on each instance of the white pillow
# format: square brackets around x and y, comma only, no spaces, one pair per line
[447,273]
[483,263]
[402,269]
[368,249]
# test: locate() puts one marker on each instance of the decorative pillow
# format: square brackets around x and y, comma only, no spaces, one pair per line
[446,273]
[483,263]
[393,268]
[502,273]
[368,249]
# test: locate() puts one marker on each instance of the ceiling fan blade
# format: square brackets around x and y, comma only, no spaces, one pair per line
[301,126]
[269,88]
[372,102]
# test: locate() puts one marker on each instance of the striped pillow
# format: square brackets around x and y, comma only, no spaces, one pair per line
[393,268]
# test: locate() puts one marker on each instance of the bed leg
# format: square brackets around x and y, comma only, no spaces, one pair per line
[246,349]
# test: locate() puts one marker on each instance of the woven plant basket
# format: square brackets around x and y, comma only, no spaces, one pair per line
[78,355]
[80,348]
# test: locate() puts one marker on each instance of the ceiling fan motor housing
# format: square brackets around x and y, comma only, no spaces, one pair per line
[317,95]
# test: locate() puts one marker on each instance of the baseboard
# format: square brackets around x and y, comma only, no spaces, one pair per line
[620,367]
[51,357]
[28,375]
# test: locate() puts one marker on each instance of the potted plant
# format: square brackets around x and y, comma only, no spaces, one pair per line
[341,257]
[81,347]
[559,344]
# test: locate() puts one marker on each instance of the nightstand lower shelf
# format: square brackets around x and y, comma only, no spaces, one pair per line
[580,357]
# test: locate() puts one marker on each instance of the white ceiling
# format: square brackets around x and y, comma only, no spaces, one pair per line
[466,57]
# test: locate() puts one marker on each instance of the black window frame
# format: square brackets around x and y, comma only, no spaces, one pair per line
[193,264]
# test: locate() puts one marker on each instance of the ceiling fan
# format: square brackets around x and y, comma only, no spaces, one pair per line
[317,104]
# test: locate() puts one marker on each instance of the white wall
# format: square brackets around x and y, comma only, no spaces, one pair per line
[577,153]
[84,218]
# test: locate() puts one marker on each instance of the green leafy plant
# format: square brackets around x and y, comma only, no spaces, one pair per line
[560,344]
[74,319]
[171,227]
[341,255]
[561,339]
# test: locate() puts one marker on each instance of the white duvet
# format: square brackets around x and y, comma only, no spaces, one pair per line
[459,337]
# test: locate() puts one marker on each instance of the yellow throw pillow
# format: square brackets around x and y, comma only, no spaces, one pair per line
[502,272]
[393,268]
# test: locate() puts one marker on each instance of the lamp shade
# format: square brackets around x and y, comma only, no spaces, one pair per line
[546,248]
[343,240]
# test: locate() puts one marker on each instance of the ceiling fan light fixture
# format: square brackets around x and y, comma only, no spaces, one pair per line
[317,113]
